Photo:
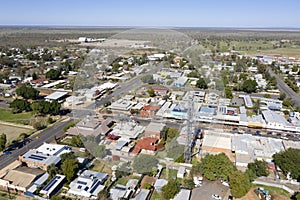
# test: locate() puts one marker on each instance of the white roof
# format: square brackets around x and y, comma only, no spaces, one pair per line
[53,149]
[183,194]
[56,95]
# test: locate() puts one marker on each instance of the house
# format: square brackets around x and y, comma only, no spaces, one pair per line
[180,172]
[180,82]
[149,110]
[88,184]
[145,145]
[53,186]
[53,149]
[154,129]
[159,183]
[142,195]
[160,91]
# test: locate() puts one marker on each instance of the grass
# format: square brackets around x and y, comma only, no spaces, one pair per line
[169,174]
[101,167]
[18,118]
[275,190]
[155,196]
[12,132]
[124,180]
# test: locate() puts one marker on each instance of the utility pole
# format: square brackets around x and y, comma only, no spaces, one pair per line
[188,144]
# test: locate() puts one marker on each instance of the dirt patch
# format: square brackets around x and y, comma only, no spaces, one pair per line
[12,132]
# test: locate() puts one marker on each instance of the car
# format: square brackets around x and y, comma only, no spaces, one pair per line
[215,196]
[6,152]
[230,197]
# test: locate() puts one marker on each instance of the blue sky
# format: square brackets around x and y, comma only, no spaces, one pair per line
[190,13]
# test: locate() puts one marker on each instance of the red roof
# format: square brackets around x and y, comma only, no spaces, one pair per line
[151,108]
[147,143]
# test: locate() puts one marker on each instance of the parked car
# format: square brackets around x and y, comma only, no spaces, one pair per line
[6,152]
[215,196]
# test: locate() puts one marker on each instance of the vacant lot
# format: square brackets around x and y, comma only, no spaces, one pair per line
[12,132]
[19,118]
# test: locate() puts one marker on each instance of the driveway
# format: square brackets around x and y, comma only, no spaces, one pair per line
[209,188]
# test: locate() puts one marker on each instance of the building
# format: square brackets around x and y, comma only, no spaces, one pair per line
[180,82]
[215,143]
[154,129]
[122,104]
[88,184]
[53,149]
[160,91]
[127,130]
[143,195]
[183,194]
[19,178]
[145,145]
[56,96]
[179,110]
[53,186]
[274,120]
[159,183]
[181,172]
[247,100]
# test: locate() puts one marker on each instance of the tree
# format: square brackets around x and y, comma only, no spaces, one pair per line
[151,92]
[144,164]
[27,92]
[170,190]
[148,79]
[147,186]
[45,107]
[20,105]
[228,93]
[201,83]
[103,195]
[2,141]
[249,86]
[53,74]
[239,184]
[217,166]
[99,151]
[66,156]
[288,161]
[76,141]
[52,170]
[282,96]
[69,168]
[188,183]
[260,168]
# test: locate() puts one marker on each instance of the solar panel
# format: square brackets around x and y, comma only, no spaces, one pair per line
[95,187]
[82,182]
[50,184]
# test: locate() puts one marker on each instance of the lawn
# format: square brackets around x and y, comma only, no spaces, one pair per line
[101,167]
[19,118]
[168,174]
[12,132]
[155,196]
[275,191]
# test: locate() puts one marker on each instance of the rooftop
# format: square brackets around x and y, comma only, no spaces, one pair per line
[56,95]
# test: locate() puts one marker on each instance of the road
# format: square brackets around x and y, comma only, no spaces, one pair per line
[45,136]
[283,87]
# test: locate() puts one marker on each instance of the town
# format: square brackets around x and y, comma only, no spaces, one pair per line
[123,118]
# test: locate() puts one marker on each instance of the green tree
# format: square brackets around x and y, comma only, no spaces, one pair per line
[188,183]
[66,156]
[2,141]
[20,105]
[144,164]
[228,93]
[147,186]
[151,92]
[103,195]
[52,170]
[201,83]
[53,74]
[239,184]
[217,166]
[282,96]
[170,190]
[288,161]
[148,79]
[99,151]
[259,167]
[249,86]
[27,92]
[69,168]
[76,141]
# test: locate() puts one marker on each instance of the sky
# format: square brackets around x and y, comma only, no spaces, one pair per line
[152,13]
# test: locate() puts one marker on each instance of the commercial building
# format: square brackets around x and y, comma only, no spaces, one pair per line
[274,120]
[154,129]
[57,96]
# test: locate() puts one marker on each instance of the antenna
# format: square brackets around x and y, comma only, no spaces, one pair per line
[188,144]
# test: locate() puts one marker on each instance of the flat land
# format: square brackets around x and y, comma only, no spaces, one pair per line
[12,132]
[18,118]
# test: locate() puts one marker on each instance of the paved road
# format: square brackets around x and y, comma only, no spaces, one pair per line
[45,136]
[283,87]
